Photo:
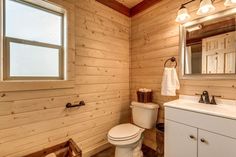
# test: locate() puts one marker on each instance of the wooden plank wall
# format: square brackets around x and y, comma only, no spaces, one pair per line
[99,66]
[155,38]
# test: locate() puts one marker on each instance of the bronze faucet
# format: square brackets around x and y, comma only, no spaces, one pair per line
[204,98]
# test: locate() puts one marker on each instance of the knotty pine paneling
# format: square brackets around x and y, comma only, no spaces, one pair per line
[99,41]
[100,65]
[154,38]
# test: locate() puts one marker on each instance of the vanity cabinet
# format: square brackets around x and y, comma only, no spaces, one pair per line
[180,140]
[192,134]
[215,145]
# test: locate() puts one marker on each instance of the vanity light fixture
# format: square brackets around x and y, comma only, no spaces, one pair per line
[206,6]
[230,3]
[183,15]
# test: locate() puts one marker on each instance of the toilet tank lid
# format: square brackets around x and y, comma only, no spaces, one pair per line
[145,105]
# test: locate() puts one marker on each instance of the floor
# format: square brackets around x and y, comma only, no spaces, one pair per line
[147,152]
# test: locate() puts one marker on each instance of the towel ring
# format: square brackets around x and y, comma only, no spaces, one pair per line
[172,59]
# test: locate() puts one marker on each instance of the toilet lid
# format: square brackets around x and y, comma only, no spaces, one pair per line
[124,132]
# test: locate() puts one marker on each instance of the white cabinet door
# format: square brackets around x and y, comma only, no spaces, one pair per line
[180,140]
[230,63]
[218,54]
[212,64]
[212,54]
[214,145]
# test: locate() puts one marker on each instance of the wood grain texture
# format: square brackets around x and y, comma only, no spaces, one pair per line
[34,117]
[100,68]
[155,38]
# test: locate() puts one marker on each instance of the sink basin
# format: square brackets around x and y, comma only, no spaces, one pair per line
[225,108]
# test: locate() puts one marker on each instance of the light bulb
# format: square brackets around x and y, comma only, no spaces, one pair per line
[230,2]
[183,15]
[206,7]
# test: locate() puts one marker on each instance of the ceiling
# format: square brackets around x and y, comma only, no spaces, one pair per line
[129,7]
[129,3]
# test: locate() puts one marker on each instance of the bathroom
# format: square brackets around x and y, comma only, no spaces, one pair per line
[104,52]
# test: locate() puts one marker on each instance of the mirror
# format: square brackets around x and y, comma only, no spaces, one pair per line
[208,45]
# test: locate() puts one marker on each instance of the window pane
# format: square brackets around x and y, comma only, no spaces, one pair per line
[29,23]
[33,61]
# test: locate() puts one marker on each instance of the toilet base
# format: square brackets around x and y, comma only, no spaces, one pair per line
[133,150]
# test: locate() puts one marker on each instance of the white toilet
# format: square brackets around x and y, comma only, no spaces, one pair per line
[128,137]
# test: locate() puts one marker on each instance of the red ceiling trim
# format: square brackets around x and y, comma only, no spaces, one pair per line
[125,10]
[116,6]
[142,6]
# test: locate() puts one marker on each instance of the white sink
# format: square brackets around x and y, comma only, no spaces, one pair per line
[224,108]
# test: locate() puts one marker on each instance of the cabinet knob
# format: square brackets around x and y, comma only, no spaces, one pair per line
[203,140]
[191,136]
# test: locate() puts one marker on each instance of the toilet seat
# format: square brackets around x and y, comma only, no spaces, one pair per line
[124,134]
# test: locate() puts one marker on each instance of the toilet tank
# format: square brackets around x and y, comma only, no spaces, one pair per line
[144,114]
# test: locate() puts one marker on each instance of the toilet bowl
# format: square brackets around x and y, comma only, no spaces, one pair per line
[128,137]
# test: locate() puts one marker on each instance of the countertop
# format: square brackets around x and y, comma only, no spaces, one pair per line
[224,108]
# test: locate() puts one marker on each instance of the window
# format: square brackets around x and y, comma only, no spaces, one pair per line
[33,42]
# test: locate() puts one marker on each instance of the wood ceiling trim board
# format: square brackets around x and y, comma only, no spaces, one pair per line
[125,10]
[142,6]
[129,3]
[116,6]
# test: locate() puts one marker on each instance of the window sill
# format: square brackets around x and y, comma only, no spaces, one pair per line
[29,85]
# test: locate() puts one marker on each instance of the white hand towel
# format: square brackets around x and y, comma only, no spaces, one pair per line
[170,82]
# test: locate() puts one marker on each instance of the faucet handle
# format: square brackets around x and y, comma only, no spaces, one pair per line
[201,97]
[213,101]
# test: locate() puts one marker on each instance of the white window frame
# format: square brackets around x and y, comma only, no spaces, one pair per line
[7,40]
